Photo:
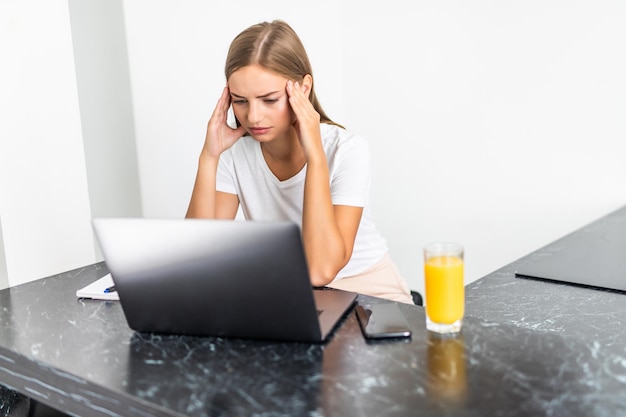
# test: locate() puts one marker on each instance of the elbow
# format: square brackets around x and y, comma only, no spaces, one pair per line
[323,274]
[322,278]
[324,266]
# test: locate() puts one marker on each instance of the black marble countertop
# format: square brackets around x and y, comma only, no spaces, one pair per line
[589,314]
[528,348]
[583,329]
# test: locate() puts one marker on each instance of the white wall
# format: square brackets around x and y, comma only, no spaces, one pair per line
[67,135]
[107,120]
[518,106]
[495,124]
[44,208]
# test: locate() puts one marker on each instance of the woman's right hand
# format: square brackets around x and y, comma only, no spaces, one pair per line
[220,136]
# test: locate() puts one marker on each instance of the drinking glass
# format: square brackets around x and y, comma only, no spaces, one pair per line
[445,292]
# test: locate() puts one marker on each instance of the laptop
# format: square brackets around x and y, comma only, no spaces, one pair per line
[593,257]
[224,278]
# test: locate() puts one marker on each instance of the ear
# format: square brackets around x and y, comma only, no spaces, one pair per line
[307,84]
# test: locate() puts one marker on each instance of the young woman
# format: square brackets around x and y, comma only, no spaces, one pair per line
[287,160]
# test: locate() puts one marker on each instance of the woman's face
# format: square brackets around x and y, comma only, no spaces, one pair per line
[260,102]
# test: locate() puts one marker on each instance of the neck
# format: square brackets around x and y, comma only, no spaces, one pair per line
[283,149]
[285,158]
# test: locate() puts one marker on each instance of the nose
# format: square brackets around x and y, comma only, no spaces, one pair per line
[254,112]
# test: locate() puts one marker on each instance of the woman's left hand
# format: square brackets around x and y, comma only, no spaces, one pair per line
[307,122]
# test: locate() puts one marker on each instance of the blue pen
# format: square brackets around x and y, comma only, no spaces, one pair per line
[110,289]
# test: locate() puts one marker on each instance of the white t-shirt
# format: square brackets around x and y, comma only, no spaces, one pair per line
[242,170]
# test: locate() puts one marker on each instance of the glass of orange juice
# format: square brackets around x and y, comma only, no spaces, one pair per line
[445,292]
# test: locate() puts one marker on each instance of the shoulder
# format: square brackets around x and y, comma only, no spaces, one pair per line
[245,145]
[241,152]
[244,142]
[344,149]
[335,137]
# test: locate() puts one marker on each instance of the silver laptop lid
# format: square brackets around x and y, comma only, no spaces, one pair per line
[211,277]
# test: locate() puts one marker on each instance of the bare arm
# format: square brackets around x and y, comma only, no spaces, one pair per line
[328,231]
[205,201]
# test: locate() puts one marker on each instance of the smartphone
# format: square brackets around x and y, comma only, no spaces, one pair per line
[382,321]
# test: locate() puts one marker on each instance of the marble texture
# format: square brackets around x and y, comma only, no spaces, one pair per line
[527,348]
[587,313]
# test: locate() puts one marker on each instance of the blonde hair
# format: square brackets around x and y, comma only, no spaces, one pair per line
[276,47]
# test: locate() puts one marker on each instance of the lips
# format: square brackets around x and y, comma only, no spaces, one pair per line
[259,130]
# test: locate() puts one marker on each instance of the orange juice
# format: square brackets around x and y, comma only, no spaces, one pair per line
[445,293]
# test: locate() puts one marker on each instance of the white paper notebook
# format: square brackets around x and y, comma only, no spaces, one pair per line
[96,289]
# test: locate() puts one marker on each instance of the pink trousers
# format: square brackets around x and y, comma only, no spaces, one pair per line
[382,280]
